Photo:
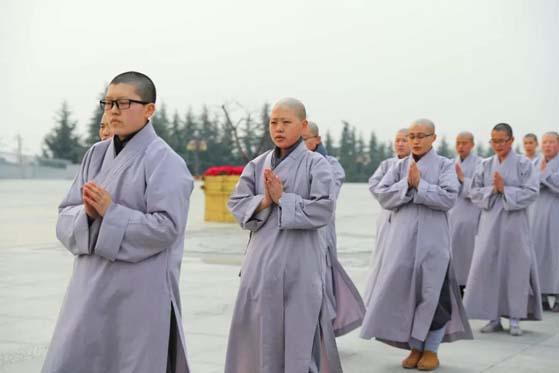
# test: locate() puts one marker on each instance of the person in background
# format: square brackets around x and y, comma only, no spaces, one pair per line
[503,279]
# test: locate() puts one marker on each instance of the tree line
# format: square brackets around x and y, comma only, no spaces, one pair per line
[230,135]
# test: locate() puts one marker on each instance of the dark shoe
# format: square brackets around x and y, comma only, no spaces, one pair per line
[413,358]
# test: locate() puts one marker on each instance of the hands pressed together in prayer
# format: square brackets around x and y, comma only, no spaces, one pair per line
[96,200]
[498,183]
[414,176]
[459,172]
[543,164]
[274,189]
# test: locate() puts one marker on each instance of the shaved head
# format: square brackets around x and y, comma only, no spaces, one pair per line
[403,131]
[293,104]
[142,83]
[423,122]
[313,129]
[552,133]
[466,135]
[531,136]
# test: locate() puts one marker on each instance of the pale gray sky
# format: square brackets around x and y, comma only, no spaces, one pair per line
[378,64]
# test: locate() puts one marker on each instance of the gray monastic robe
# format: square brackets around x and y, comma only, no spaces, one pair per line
[406,291]
[382,225]
[463,219]
[344,301]
[281,305]
[122,310]
[545,228]
[503,278]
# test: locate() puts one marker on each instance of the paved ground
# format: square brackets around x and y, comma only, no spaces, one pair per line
[34,272]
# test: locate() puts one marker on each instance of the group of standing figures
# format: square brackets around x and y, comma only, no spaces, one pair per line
[455,240]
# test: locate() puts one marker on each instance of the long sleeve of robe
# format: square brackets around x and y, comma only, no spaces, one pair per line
[464,219]
[131,235]
[73,228]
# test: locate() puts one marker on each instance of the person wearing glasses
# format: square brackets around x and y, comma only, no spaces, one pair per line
[544,221]
[464,216]
[105,130]
[503,279]
[124,220]
[344,301]
[414,300]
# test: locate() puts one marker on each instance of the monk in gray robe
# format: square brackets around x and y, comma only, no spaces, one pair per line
[281,321]
[503,279]
[124,221]
[530,144]
[344,301]
[402,150]
[464,216]
[545,220]
[415,302]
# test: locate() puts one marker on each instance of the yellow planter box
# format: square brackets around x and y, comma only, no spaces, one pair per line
[217,190]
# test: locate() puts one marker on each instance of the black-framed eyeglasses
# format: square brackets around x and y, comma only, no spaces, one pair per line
[121,104]
[499,142]
[419,136]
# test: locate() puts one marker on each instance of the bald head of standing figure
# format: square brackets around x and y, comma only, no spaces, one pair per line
[421,135]
[288,119]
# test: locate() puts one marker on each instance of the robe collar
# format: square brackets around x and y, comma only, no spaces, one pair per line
[425,157]
[277,158]
[113,165]
[551,161]
[509,159]
[120,144]
[466,160]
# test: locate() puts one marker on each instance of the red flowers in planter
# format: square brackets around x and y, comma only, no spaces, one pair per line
[224,170]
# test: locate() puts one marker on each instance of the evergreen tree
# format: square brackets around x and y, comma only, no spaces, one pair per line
[374,155]
[93,125]
[444,149]
[362,160]
[346,151]
[63,142]
[483,151]
[161,123]
[329,144]
[265,137]
[177,135]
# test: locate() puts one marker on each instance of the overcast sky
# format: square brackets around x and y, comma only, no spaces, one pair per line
[377,64]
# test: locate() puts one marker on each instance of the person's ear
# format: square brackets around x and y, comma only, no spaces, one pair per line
[319,139]
[305,124]
[434,137]
[149,110]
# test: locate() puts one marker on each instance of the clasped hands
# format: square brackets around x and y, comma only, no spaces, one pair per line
[96,200]
[498,183]
[273,189]
[414,176]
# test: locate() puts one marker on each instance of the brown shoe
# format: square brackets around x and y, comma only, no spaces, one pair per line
[428,361]
[413,358]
